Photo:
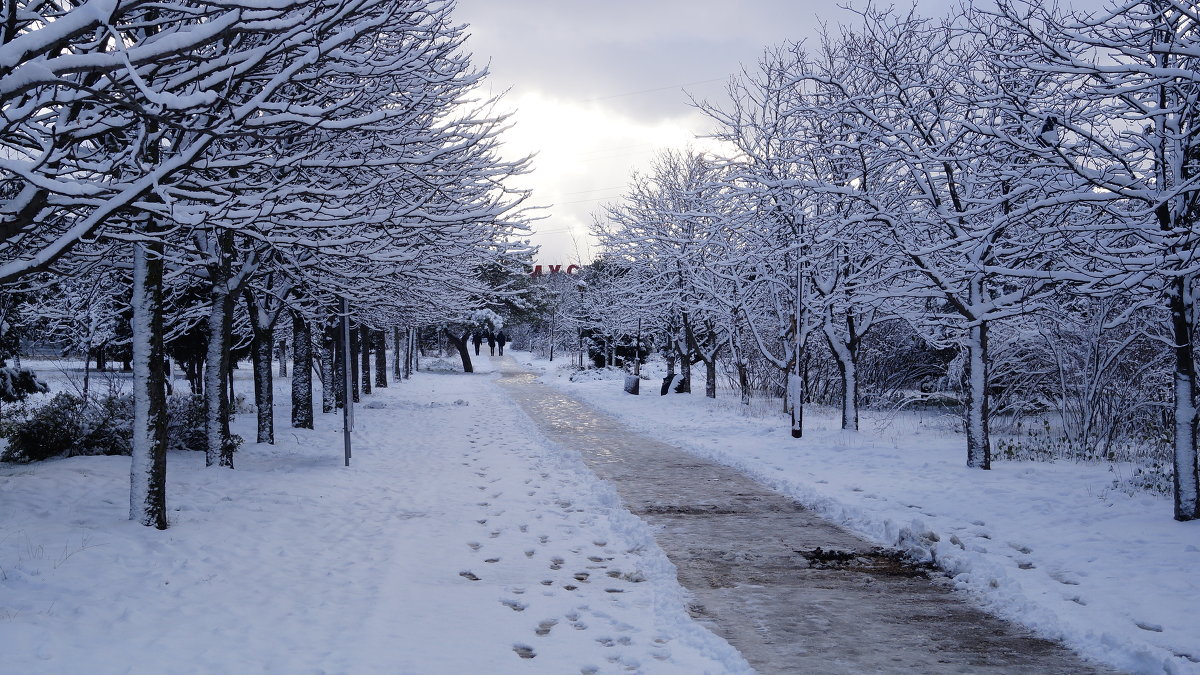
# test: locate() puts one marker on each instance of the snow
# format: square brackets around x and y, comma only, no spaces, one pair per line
[1048,545]
[293,563]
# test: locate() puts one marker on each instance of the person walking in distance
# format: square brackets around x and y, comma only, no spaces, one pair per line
[491,337]
[477,338]
[501,338]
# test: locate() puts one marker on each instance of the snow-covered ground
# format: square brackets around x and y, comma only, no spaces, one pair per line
[1049,545]
[456,542]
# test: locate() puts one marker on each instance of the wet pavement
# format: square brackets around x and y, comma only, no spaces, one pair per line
[791,591]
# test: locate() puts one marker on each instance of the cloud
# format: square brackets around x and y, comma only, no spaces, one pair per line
[599,86]
[585,154]
[590,50]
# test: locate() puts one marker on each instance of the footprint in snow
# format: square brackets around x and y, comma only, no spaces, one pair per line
[513,605]
[1021,548]
[524,651]
[544,627]
[468,574]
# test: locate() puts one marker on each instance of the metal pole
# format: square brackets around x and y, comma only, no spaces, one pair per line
[347,395]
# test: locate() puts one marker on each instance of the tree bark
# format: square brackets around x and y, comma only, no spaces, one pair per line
[685,368]
[148,468]
[330,384]
[979,451]
[262,342]
[410,354]
[845,353]
[302,403]
[397,351]
[366,343]
[219,446]
[381,380]
[282,351]
[1187,473]
[354,376]
[710,376]
[461,344]
[797,377]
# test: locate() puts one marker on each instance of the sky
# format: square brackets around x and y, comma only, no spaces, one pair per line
[598,88]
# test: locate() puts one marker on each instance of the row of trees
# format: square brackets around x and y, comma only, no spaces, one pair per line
[991,180]
[175,160]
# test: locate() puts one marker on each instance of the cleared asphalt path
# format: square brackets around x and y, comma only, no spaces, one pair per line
[791,591]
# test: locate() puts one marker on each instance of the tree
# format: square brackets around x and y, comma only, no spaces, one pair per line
[1114,99]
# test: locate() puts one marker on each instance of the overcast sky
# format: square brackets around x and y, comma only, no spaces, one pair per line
[598,86]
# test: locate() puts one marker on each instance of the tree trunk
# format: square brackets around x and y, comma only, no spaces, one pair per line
[710,376]
[845,353]
[219,447]
[796,390]
[302,403]
[979,451]
[743,382]
[381,380]
[354,378]
[282,351]
[87,373]
[685,369]
[365,344]
[416,352]
[1187,473]
[464,352]
[330,383]
[397,364]
[264,399]
[148,468]
[262,342]
[410,361]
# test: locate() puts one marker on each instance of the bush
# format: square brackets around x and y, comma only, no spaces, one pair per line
[69,426]
[48,431]
[107,427]
[185,423]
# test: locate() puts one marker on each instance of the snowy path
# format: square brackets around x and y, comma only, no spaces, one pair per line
[459,541]
[749,556]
